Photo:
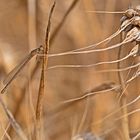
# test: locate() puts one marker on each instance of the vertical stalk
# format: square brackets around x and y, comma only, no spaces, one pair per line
[42,78]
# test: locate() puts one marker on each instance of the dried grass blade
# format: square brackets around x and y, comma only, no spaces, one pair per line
[96,44]
[106,12]
[103,88]
[92,51]
[90,65]
[41,91]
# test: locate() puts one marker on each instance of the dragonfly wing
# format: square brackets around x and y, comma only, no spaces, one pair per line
[16,70]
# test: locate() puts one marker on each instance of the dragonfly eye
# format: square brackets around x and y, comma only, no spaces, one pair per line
[40,50]
[136,21]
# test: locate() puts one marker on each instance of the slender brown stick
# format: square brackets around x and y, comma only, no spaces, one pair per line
[42,79]
[105,87]
[44,63]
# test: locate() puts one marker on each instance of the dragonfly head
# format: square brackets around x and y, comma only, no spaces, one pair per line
[40,50]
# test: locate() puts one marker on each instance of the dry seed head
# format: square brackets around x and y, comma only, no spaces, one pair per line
[124,23]
[138,38]
[136,21]
[134,51]
[130,13]
[123,19]
[133,33]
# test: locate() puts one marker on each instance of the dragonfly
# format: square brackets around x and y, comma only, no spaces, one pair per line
[12,75]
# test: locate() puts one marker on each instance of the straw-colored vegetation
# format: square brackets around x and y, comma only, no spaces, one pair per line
[75,68]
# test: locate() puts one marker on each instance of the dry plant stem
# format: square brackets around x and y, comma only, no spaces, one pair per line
[127,40]
[90,65]
[105,87]
[128,114]
[87,95]
[101,89]
[42,79]
[13,122]
[108,39]
[106,12]
[122,69]
[60,25]
[99,71]
[123,100]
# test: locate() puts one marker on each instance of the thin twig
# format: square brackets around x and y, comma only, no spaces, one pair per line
[122,69]
[90,65]
[77,51]
[103,88]
[42,79]
[106,12]
[127,40]
[128,114]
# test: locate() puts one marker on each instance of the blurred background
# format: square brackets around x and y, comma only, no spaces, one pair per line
[22,28]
